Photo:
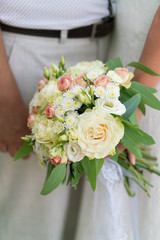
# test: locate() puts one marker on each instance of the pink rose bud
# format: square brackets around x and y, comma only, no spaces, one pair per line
[50,111]
[79,80]
[122,72]
[31,120]
[102,81]
[65,82]
[42,83]
[35,109]
[58,160]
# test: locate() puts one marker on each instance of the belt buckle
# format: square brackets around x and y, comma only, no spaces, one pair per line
[94,29]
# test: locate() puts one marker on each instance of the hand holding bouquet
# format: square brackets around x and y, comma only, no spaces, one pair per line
[78,117]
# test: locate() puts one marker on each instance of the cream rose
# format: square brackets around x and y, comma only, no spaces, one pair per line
[45,96]
[73,152]
[84,67]
[100,135]
[44,132]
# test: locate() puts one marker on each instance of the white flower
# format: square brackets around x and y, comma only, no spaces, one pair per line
[41,151]
[59,111]
[69,94]
[58,100]
[112,94]
[68,104]
[77,89]
[111,106]
[73,152]
[58,127]
[114,77]
[70,121]
[77,104]
[99,91]
[73,113]
[92,75]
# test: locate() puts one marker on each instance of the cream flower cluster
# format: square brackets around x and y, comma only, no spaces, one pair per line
[71,112]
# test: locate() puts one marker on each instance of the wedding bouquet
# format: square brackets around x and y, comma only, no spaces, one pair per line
[78,117]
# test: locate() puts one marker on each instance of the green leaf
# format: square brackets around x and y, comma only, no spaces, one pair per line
[142,108]
[49,169]
[99,164]
[133,118]
[146,95]
[78,171]
[131,141]
[115,157]
[23,151]
[131,106]
[91,171]
[142,67]
[124,96]
[115,63]
[145,138]
[55,178]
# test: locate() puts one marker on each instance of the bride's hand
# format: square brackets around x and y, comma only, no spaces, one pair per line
[13,125]
[131,157]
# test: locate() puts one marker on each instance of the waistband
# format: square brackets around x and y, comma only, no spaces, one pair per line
[96,30]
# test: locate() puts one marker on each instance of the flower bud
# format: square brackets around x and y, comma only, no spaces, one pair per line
[61,119]
[50,111]
[46,73]
[62,62]
[35,109]
[31,120]
[63,138]
[54,67]
[42,83]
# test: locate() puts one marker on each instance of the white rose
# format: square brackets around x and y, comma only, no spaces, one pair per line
[73,152]
[111,106]
[100,135]
[44,132]
[46,95]
[84,67]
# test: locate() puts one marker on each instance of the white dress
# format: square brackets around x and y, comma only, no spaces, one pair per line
[109,211]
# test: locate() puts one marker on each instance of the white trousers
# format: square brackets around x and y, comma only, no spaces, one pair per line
[24,213]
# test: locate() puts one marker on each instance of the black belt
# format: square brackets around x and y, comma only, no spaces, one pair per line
[95,30]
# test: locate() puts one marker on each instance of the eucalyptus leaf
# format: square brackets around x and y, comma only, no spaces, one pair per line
[131,106]
[133,118]
[91,171]
[23,151]
[115,63]
[146,95]
[49,169]
[99,164]
[55,178]
[142,67]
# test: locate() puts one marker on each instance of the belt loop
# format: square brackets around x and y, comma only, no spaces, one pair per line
[63,36]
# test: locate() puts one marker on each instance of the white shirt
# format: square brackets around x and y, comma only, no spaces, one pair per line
[52,14]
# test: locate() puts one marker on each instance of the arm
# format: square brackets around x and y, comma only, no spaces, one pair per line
[13,112]
[151,58]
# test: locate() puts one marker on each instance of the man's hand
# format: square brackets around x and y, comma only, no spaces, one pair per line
[13,125]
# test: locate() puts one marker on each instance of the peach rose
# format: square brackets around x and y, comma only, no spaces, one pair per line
[125,75]
[58,160]
[79,80]
[31,120]
[42,83]
[102,81]
[65,82]
[50,111]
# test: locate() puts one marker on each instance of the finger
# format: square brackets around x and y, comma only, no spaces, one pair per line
[132,158]
[3,147]
[121,148]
